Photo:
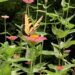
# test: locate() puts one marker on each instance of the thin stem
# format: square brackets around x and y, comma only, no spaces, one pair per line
[44,31]
[68,9]
[45,18]
[27,9]
[12,42]
[5,28]
[31,69]
[37,9]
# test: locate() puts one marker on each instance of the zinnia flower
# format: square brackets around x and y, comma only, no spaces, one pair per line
[5,16]
[59,67]
[35,38]
[11,37]
[28,1]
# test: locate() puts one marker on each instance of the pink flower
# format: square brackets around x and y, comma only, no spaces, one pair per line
[28,1]
[59,67]
[35,38]
[67,51]
[11,37]
[5,16]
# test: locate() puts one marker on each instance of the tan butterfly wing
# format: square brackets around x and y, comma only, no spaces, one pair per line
[36,25]
[27,25]
[28,28]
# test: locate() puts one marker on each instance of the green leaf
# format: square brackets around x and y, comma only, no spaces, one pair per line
[10,51]
[51,73]
[46,7]
[69,43]
[42,33]
[66,68]
[18,26]
[39,67]
[48,53]
[61,33]
[63,3]
[55,45]
[73,61]
[5,69]
[51,66]
[2,0]
[57,52]
[7,50]
[21,67]
[13,73]
[5,33]
[70,25]
[52,15]
[18,60]
[66,22]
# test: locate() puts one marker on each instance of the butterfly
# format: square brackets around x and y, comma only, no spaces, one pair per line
[28,27]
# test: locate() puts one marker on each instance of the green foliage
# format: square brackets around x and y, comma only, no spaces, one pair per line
[2,0]
[7,51]
[58,18]
[5,69]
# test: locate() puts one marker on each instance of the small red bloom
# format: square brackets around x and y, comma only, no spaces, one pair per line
[11,37]
[59,67]
[28,1]
[35,38]
[28,62]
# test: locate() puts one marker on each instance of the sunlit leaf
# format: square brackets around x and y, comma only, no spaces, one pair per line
[48,52]
[5,70]
[61,33]
[51,73]
[66,22]
[2,0]
[67,68]
[38,67]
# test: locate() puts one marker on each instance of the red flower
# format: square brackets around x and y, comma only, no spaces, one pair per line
[59,67]
[11,37]
[28,1]
[35,38]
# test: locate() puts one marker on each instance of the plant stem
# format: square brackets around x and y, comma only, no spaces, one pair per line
[27,9]
[44,31]
[5,28]
[37,11]
[31,68]
[12,42]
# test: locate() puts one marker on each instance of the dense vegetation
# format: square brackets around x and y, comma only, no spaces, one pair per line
[37,37]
